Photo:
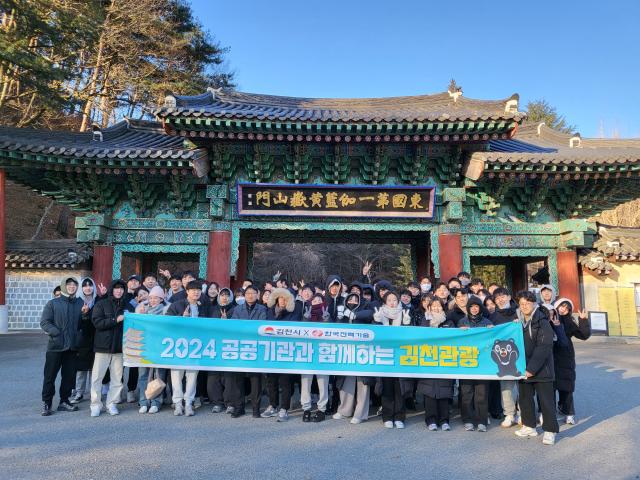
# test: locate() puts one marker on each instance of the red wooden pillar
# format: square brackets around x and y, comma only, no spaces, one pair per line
[241,267]
[219,258]
[450,255]
[422,261]
[4,319]
[102,264]
[519,278]
[568,278]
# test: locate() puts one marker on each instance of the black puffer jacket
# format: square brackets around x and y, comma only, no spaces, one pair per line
[61,320]
[565,357]
[333,303]
[108,336]
[538,346]
[504,315]
[436,387]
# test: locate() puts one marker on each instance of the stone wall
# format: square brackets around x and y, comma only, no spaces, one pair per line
[29,290]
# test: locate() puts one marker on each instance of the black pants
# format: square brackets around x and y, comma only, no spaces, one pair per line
[475,401]
[495,399]
[54,362]
[436,410]
[546,401]
[215,388]
[279,384]
[565,403]
[393,408]
[132,381]
[201,384]
[235,383]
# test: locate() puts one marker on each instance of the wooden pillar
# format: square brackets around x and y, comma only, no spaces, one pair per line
[568,278]
[4,318]
[102,264]
[519,278]
[450,255]
[219,258]
[241,267]
[146,265]
[422,261]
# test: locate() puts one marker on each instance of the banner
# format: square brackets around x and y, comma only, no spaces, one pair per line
[323,348]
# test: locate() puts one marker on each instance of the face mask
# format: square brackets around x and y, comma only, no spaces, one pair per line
[465,282]
[425,287]
[240,300]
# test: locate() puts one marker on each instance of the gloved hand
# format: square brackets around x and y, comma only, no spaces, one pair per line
[340,311]
[349,314]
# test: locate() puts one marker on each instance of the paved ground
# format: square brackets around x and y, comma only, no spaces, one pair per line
[604,444]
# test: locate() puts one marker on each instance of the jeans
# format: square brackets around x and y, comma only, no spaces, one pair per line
[275,383]
[143,379]
[102,363]
[187,394]
[81,382]
[54,362]
[305,391]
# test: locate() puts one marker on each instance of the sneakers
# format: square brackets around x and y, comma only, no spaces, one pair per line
[355,421]
[283,415]
[237,412]
[337,416]
[482,428]
[306,416]
[67,407]
[46,410]
[113,410]
[143,409]
[446,427]
[269,412]
[508,422]
[549,438]
[570,420]
[432,427]
[540,420]
[318,416]
[95,411]
[398,424]
[131,396]
[188,410]
[525,432]
[76,399]
[197,402]
[388,424]
[178,410]
[468,427]
[216,409]
[153,409]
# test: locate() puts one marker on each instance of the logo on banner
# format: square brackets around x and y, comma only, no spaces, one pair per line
[325,333]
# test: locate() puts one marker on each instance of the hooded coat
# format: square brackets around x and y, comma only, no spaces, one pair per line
[436,387]
[289,313]
[504,315]
[565,357]
[61,319]
[363,313]
[538,346]
[223,311]
[553,296]
[87,330]
[108,335]
[474,321]
[333,303]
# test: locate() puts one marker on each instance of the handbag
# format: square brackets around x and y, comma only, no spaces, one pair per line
[155,386]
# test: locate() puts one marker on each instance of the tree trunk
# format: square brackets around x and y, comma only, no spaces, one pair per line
[63,221]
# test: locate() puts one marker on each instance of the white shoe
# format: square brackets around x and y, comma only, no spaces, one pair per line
[525,432]
[549,438]
[482,428]
[508,422]
[269,412]
[283,415]
[355,421]
[95,411]
[399,424]
[188,410]
[570,420]
[337,416]
[178,410]
[197,403]
[388,424]
[540,420]
[143,409]
[432,427]
[131,396]
[468,427]
[113,410]
[153,409]
[446,427]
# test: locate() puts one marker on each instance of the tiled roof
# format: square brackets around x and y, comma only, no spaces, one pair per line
[619,242]
[443,107]
[133,139]
[50,254]
[538,144]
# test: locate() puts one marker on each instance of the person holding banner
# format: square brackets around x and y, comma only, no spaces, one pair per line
[391,313]
[437,392]
[249,309]
[189,307]
[474,393]
[223,308]
[538,343]
[281,307]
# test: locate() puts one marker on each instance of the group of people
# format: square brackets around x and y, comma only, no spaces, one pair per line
[85,326]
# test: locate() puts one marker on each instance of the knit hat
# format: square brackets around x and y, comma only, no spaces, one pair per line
[157,291]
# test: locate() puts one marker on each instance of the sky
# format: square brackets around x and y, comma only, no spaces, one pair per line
[583,57]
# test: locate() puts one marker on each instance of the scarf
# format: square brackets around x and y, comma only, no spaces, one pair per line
[277,311]
[316,312]
[394,315]
[157,310]
[437,319]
